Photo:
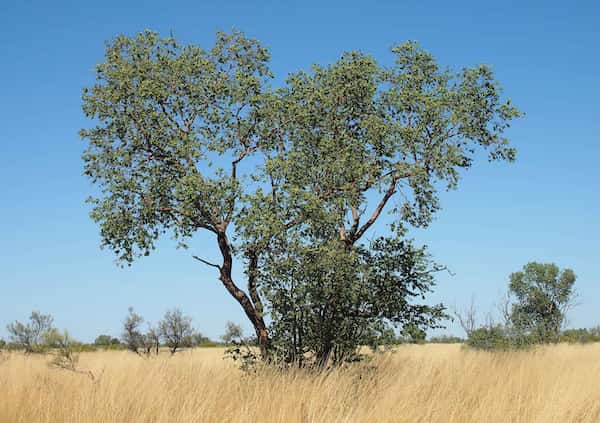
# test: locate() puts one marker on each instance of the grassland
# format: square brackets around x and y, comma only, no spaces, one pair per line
[429,383]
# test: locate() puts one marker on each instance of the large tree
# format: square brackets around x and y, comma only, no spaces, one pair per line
[354,139]
[188,140]
[173,126]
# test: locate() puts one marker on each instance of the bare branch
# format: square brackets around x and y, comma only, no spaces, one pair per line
[467,318]
[207,262]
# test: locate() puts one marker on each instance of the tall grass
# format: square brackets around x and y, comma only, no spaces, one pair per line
[429,383]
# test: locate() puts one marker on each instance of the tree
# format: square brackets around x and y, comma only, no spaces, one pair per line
[106,341]
[544,294]
[151,339]
[103,340]
[132,336]
[467,317]
[136,341]
[164,113]
[233,333]
[189,140]
[326,302]
[31,336]
[176,329]
[355,140]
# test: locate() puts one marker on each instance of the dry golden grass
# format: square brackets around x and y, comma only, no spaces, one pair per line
[431,383]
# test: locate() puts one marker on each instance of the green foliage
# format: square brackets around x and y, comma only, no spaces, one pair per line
[173,125]
[445,339]
[543,295]
[323,157]
[164,112]
[490,338]
[327,301]
[106,340]
[414,334]
[355,128]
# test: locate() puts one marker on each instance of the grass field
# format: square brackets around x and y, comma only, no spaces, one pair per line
[429,383]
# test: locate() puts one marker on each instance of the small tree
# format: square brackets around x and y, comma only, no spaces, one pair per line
[328,301]
[103,340]
[176,329]
[544,294]
[152,340]
[467,317]
[233,333]
[132,337]
[31,336]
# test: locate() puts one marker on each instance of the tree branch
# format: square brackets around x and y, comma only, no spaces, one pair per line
[207,262]
[388,194]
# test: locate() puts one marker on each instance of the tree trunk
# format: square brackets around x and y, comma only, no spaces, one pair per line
[253,312]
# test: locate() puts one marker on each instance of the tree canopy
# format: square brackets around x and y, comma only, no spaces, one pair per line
[543,295]
[188,140]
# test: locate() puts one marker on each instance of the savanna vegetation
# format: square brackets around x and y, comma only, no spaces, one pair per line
[418,383]
[311,188]
[290,180]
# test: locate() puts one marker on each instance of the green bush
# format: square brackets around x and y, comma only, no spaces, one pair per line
[489,338]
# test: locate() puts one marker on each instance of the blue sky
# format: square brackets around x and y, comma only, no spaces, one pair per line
[544,207]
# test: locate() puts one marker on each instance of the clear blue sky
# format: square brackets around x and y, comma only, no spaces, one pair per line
[545,207]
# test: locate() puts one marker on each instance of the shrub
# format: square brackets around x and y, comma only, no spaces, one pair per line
[489,338]
[106,340]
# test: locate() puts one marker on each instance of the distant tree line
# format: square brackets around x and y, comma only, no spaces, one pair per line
[173,332]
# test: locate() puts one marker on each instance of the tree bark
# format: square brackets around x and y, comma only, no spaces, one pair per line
[254,313]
